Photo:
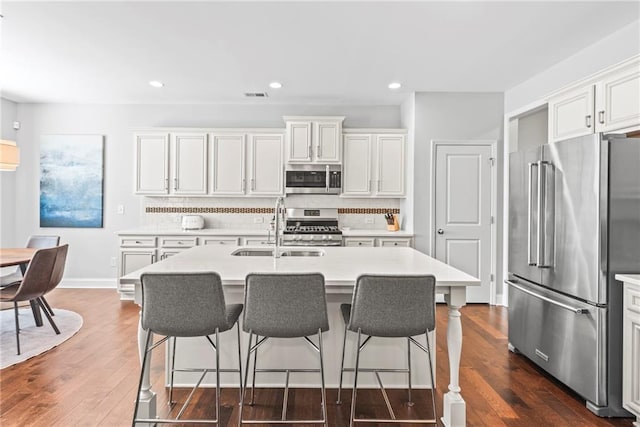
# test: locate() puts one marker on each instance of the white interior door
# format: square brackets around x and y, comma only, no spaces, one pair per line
[463,212]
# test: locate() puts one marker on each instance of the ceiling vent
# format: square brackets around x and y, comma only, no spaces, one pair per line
[256,94]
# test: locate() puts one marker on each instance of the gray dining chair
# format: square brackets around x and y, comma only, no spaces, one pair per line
[394,306]
[35,242]
[284,306]
[186,305]
[43,274]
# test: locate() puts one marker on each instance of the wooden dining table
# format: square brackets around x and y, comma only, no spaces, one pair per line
[21,257]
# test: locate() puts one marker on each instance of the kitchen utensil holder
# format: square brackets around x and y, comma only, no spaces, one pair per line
[395,226]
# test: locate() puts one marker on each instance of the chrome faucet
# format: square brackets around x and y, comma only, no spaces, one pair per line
[279,214]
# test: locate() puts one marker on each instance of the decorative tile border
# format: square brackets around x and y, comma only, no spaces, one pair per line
[212,210]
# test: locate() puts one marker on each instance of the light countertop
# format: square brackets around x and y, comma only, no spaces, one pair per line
[629,278]
[341,266]
[176,231]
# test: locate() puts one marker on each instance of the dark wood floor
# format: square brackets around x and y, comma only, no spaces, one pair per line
[90,380]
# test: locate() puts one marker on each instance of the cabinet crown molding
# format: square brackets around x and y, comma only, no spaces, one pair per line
[312,118]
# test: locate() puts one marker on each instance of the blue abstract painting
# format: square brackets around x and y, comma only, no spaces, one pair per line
[71,181]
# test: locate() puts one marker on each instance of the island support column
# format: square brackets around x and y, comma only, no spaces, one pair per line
[147,406]
[454,405]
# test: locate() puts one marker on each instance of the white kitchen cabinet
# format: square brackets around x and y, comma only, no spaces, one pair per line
[390,166]
[631,346]
[189,163]
[135,252]
[187,159]
[265,171]
[228,164]
[152,163]
[357,165]
[314,139]
[256,241]
[608,102]
[374,165]
[618,99]
[359,242]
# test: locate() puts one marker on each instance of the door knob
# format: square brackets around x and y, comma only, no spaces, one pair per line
[440,231]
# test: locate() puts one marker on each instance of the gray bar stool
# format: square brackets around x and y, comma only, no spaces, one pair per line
[186,305]
[284,306]
[390,306]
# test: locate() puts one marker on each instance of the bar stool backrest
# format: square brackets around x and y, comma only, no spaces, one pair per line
[393,306]
[285,305]
[40,242]
[183,304]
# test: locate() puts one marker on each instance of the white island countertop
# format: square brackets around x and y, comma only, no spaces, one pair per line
[340,266]
[629,278]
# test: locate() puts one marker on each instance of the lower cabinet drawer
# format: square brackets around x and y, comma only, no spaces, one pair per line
[178,242]
[256,241]
[359,242]
[138,241]
[219,240]
[391,243]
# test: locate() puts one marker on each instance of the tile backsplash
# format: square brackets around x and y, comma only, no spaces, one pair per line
[256,213]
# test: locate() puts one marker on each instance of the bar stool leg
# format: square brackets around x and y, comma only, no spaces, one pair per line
[344,343]
[433,384]
[253,380]
[239,360]
[409,402]
[246,380]
[324,391]
[355,382]
[173,366]
[217,376]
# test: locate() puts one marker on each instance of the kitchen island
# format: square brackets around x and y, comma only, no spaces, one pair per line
[340,266]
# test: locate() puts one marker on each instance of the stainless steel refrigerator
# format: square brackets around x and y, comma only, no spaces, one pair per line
[574,222]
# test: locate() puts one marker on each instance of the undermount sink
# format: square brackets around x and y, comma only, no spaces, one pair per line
[284,253]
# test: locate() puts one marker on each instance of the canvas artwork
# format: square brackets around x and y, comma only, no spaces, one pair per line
[71,181]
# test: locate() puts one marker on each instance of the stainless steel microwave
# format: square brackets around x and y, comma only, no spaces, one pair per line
[313,179]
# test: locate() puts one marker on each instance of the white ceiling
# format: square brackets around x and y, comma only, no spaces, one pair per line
[322,52]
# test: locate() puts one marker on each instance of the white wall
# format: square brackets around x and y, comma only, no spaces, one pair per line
[452,116]
[8,114]
[90,250]
[608,51]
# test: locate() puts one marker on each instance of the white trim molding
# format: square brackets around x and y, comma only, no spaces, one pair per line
[88,283]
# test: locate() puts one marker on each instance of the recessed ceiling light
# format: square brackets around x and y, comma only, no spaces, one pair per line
[395,85]
[275,85]
[156,83]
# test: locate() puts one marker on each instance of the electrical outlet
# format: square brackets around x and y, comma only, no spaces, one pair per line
[369,220]
[258,220]
[112,262]
[120,209]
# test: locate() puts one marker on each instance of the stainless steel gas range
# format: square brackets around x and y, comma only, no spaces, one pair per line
[312,227]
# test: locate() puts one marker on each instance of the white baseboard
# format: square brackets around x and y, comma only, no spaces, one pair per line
[500,300]
[88,283]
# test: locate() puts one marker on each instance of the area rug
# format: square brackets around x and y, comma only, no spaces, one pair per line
[33,340]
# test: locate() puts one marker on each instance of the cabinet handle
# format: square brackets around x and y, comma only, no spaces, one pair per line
[395,244]
[309,150]
[369,186]
[221,242]
[166,184]
[153,258]
[588,120]
[319,150]
[244,184]
[253,184]
[137,242]
[601,116]
[175,183]
[379,185]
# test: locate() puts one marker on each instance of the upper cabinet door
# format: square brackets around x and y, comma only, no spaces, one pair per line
[152,163]
[356,170]
[327,136]
[618,100]
[299,142]
[390,166]
[228,164]
[265,165]
[571,114]
[190,163]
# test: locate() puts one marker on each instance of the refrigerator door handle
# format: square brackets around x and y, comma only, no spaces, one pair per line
[542,209]
[549,300]
[530,260]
